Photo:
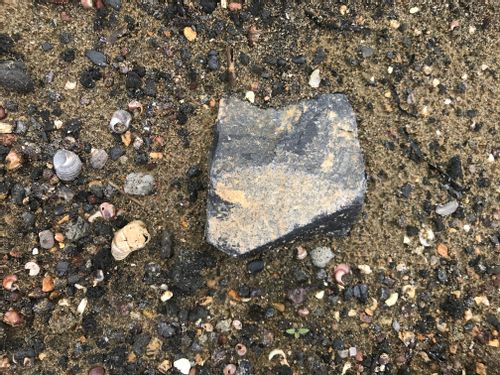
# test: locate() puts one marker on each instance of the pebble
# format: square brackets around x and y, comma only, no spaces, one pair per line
[366,51]
[213,60]
[314,79]
[34,269]
[189,33]
[321,256]
[166,245]
[98,158]
[115,4]
[255,266]
[183,365]
[46,239]
[97,370]
[447,209]
[14,77]
[139,184]
[98,58]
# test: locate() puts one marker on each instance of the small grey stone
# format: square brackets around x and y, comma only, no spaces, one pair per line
[280,174]
[321,256]
[76,229]
[115,4]
[448,208]
[139,184]
[166,245]
[366,52]
[98,58]
[98,158]
[14,77]
[46,238]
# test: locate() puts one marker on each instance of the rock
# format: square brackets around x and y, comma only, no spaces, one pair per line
[314,79]
[98,58]
[115,4]
[321,256]
[166,245]
[98,158]
[366,52]
[139,184]
[278,175]
[46,239]
[14,77]
[77,229]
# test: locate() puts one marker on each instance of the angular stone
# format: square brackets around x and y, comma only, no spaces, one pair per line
[280,175]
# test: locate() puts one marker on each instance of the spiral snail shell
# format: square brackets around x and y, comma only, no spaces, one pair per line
[120,121]
[67,165]
[131,237]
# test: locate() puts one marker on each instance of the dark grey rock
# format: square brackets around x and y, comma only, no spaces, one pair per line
[139,184]
[77,229]
[166,245]
[14,77]
[278,175]
[98,58]
[115,4]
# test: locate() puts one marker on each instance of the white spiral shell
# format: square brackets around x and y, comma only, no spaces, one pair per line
[67,165]
[120,121]
[131,237]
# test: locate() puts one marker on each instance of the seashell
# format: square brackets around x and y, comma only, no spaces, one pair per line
[426,237]
[108,211]
[447,208]
[67,165]
[12,318]
[341,270]
[9,281]
[131,237]
[135,104]
[14,160]
[120,121]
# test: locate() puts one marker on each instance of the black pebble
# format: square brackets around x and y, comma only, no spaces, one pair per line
[68,55]
[255,266]
[454,168]
[133,81]
[166,245]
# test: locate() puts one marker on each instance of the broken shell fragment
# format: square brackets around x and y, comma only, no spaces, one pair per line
[341,270]
[34,269]
[133,236]
[13,159]
[8,282]
[12,318]
[120,121]
[108,211]
[447,209]
[67,165]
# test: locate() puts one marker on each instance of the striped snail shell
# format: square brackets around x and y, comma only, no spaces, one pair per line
[120,121]
[131,237]
[67,165]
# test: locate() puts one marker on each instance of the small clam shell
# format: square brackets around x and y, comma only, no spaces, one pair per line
[131,237]
[67,165]
[120,121]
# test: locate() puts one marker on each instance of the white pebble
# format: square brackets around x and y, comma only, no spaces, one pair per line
[365,269]
[70,85]
[81,306]
[414,10]
[166,295]
[183,365]
[393,298]
[250,96]
[314,79]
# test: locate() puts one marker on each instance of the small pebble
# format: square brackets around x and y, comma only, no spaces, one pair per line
[46,238]
[97,370]
[314,79]
[183,365]
[321,256]
[139,184]
[98,158]
[447,209]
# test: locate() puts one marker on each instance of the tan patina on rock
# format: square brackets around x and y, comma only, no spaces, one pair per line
[276,175]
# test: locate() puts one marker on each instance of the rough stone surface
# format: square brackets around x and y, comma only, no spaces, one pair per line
[277,175]
[14,77]
[321,256]
[139,184]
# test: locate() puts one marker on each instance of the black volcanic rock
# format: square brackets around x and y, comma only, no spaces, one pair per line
[277,175]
